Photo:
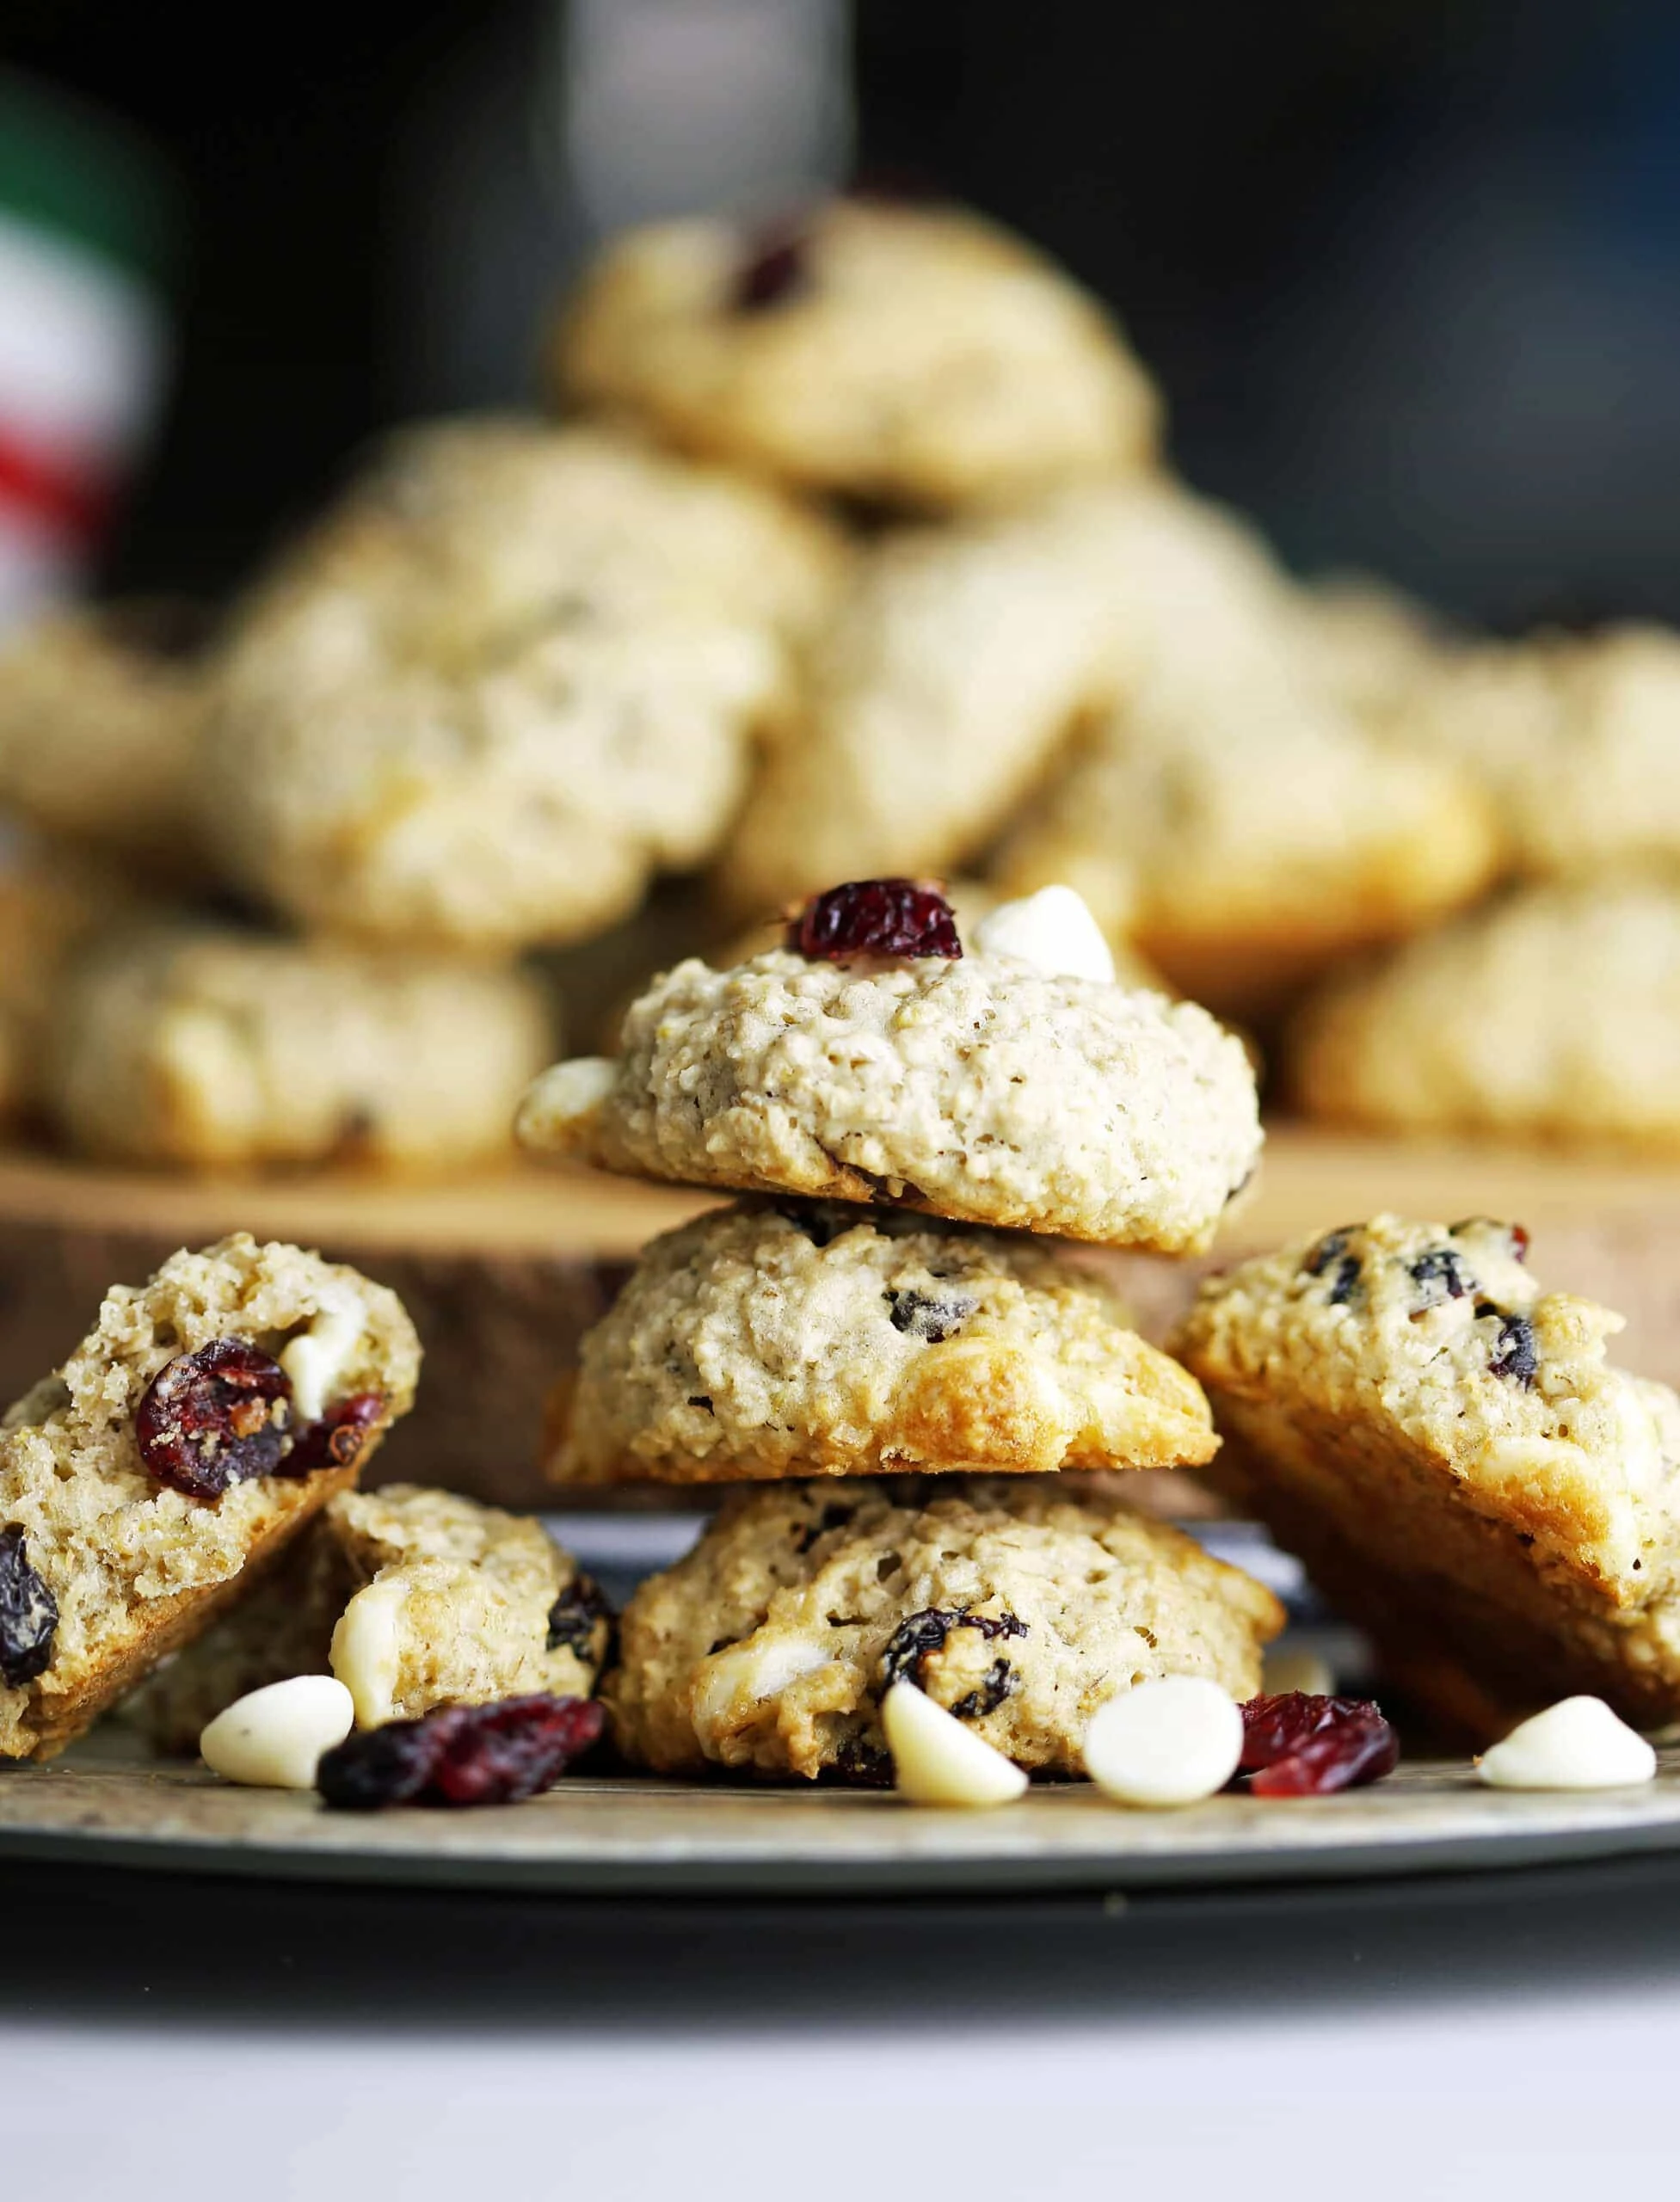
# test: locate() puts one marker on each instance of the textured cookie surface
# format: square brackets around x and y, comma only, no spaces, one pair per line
[1449,1449]
[1552,1015]
[100,726]
[1251,832]
[805,1339]
[195,1046]
[513,675]
[1020,1607]
[975,1089]
[486,1606]
[1574,738]
[956,664]
[134,1566]
[914,355]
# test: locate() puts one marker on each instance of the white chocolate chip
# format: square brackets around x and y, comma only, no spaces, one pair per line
[1294,1668]
[937,1760]
[273,1738]
[1578,1743]
[754,1672]
[565,1094]
[1171,1742]
[368,1651]
[1053,929]
[317,1358]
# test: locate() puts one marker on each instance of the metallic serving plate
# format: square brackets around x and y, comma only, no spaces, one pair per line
[105,1804]
[627,1837]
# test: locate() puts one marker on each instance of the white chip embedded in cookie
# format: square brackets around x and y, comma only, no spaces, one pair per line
[1018,1608]
[164,1459]
[806,1339]
[415,1598]
[967,1086]
[916,355]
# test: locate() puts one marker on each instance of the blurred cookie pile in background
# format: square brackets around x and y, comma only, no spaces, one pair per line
[847,547]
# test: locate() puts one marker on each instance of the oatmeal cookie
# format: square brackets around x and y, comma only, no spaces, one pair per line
[1553,1015]
[1574,738]
[484,1605]
[976,1089]
[956,665]
[1449,1449]
[914,356]
[807,1339]
[514,675]
[1249,834]
[1020,1607]
[201,1047]
[51,907]
[101,713]
[204,1419]
[1371,647]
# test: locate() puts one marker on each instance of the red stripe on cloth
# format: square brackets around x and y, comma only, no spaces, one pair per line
[66,490]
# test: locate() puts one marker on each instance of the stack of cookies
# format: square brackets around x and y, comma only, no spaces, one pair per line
[889,1335]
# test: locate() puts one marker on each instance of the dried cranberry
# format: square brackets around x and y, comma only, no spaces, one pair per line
[821,1221]
[1440,1275]
[214,1418]
[922,1633]
[920,1315]
[461,1755]
[777,268]
[876,917]
[1516,1356]
[998,1681]
[28,1613]
[577,1614]
[336,1441]
[1344,1275]
[1330,1248]
[1300,1746]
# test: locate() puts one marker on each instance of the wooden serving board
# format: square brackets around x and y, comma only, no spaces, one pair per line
[503,1270]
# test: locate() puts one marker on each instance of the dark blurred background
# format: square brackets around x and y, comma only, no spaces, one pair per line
[1408,269]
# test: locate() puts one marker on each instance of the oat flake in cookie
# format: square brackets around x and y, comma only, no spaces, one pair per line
[789,1339]
[1447,1446]
[207,1416]
[973,1087]
[1019,1606]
